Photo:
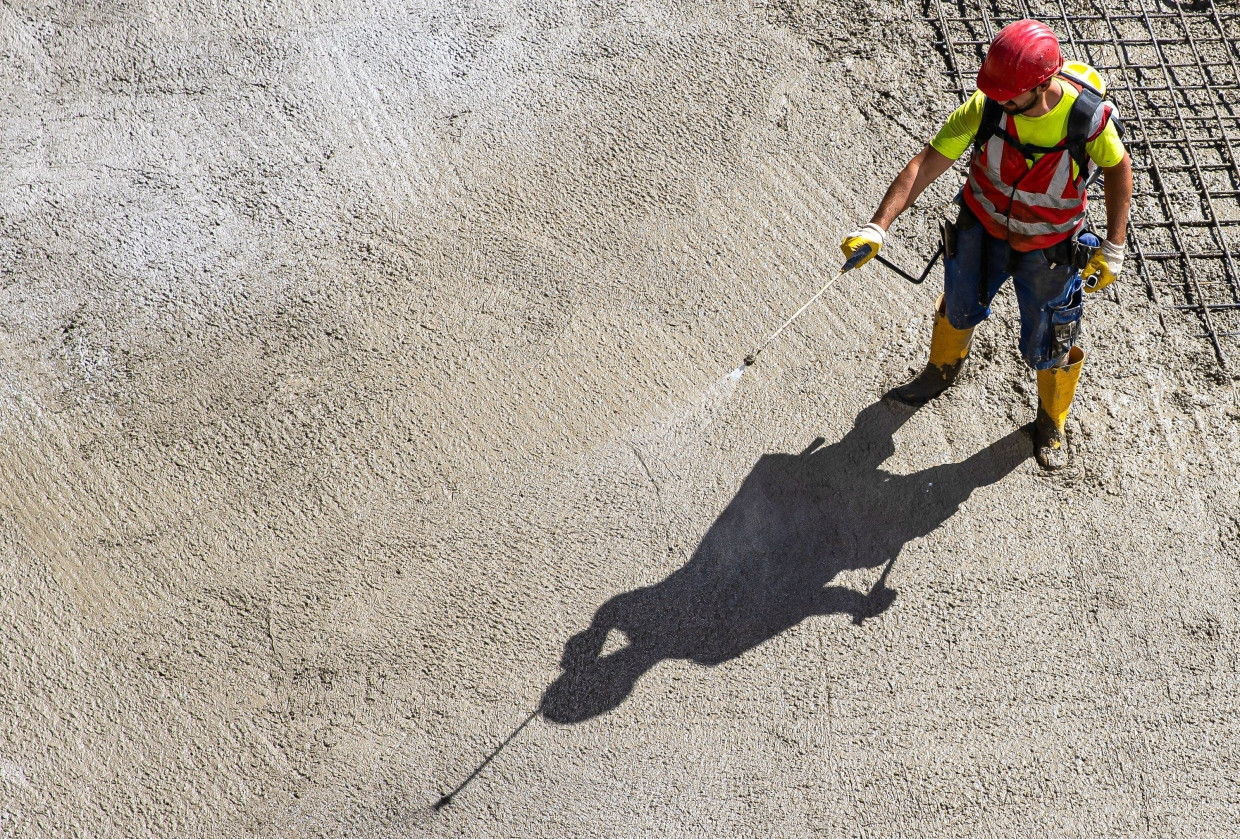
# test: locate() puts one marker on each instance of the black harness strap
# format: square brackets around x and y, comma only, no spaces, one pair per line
[1080,118]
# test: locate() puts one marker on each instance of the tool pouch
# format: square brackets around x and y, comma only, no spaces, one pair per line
[1065,321]
[1084,245]
[1060,253]
[947,230]
[965,220]
[1074,252]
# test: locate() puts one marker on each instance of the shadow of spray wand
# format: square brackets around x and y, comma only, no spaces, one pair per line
[879,598]
[447,799]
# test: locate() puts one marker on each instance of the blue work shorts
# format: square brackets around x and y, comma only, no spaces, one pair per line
[1049,296]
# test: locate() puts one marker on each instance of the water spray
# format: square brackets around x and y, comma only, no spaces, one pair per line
[853,261]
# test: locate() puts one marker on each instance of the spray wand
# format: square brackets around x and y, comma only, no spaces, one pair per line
[858,255]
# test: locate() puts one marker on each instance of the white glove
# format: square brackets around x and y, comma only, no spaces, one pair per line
[1104,267]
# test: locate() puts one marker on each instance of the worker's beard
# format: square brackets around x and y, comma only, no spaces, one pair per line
[1013,111]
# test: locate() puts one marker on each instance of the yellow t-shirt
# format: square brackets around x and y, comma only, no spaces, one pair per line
[956,135]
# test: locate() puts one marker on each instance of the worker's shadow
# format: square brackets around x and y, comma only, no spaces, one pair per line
[766,563]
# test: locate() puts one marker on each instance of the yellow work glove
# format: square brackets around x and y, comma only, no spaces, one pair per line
[871,235]
[1104,267]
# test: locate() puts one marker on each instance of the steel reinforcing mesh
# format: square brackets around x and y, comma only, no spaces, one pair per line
[1173,71]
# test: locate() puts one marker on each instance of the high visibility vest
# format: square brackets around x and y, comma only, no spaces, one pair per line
[1036,206]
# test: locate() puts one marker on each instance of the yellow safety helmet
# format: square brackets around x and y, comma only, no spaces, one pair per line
[1079,71]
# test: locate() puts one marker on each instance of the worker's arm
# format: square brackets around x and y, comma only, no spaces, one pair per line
[1117,189]
[904,190]
[908,186]
[1108,260]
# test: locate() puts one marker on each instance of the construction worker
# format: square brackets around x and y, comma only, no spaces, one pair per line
[1036,132]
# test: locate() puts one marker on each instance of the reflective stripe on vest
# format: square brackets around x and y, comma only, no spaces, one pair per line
[1063,172]
[1025,229]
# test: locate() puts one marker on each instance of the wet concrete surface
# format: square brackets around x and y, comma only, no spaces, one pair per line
[363,391]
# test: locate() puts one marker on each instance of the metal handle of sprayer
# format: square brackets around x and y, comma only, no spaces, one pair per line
[906,275]
[862,252]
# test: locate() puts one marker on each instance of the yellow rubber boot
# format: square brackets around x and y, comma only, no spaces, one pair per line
[1056,387]
[949,347]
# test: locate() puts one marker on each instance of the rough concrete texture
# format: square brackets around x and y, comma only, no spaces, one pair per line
[363,391]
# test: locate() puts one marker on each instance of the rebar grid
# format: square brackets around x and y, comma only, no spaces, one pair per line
[1173,71]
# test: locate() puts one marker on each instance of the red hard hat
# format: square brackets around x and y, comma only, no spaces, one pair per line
[1022,56]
